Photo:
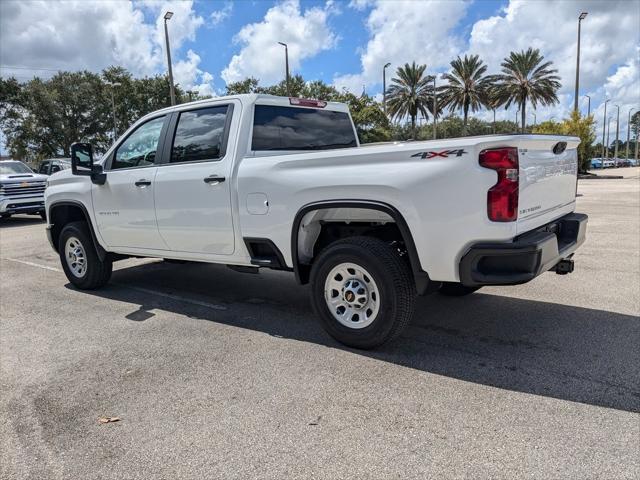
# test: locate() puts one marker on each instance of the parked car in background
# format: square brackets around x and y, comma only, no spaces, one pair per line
[624,162]
[21,190]
[597,163]
[54,165]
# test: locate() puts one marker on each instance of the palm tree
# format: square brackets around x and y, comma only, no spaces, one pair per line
[525,77]
[492,100]
[468,86]
[410,94]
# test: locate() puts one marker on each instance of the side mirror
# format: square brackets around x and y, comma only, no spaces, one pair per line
[81,159]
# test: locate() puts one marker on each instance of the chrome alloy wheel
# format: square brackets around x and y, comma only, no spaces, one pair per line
[352,295]
[75,255]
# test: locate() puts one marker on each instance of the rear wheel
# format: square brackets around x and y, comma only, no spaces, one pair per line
[452,289]
[4,216]
[79,258]
[362,291]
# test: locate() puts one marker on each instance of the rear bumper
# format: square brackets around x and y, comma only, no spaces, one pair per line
[22,205]
[527,256]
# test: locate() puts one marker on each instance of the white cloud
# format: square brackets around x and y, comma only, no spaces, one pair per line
[306,33]
[78,35]
[609,43]
[218,16]
[404,31]
[361,4]
[187,74]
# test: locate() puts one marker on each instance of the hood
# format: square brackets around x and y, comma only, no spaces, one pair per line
[23,177]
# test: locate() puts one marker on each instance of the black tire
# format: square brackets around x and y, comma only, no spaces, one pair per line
[97,272]
[393,279]
[5,216]
[453,289]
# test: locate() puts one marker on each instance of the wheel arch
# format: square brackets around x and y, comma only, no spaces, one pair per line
[63,212]
[302,271]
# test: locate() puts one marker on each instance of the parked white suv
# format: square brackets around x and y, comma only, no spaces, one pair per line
[257,181]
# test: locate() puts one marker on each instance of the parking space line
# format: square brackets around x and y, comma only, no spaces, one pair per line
[39,265]
[170,296]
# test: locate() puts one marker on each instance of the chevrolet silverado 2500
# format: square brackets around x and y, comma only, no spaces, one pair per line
[254,181]
[21,190]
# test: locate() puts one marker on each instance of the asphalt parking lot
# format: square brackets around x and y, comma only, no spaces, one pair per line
[218,374]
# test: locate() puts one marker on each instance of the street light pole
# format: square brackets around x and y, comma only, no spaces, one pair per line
[589,105]
[575,97]
[608,133]
[167,16]
[286,66]
[629,133]
[435,106]
[637,142]
[604,128]
[384,88]
[113,106]
[615,155]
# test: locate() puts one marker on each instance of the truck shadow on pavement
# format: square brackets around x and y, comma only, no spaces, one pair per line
[565,352]
[21,221]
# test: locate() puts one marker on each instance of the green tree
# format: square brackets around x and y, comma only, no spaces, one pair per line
[467,88]
[45,117]
[525,77]
[578,126]
[42,118]
[635,125]
[409,94]
[248,85]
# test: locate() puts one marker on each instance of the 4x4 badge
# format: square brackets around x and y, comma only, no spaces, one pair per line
[444,153]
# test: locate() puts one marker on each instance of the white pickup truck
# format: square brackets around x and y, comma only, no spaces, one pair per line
[256,181]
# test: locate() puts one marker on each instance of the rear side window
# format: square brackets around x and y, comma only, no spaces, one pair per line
[292,128]
[200,135]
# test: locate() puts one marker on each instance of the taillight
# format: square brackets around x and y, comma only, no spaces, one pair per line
[502,198]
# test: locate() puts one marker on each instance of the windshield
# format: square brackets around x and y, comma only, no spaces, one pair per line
[11,168]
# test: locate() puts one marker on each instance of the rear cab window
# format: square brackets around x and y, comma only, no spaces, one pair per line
[283,128]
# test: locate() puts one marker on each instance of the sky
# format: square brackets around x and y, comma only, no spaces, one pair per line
[344,43]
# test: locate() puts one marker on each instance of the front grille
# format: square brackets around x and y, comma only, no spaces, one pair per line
[22,189]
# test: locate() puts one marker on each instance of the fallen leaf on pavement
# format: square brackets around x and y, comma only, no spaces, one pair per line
[108,419]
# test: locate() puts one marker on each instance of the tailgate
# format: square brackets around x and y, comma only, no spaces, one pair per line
[547,180]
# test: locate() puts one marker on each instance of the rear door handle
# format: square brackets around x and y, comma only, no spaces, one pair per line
[214,179]
[143,183]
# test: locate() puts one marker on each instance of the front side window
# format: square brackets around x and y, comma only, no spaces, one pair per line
[294,128]
[199,135]
[139,149]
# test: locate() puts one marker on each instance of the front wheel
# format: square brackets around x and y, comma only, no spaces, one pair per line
[79,258]
[362,291]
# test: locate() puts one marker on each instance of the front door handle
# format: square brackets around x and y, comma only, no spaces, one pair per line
[213,179]
[142,183]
